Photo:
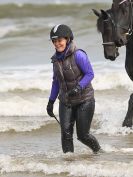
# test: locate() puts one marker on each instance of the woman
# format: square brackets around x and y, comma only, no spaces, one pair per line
[72,76]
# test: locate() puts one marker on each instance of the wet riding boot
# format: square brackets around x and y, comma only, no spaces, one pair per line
[67,140]
[128,122]
[91,142]
[67,145]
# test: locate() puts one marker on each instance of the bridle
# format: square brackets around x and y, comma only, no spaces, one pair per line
[114,25]
[130,28]
[111,43]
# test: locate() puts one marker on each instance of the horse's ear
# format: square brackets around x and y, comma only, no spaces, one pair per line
[98,14]
[104,14]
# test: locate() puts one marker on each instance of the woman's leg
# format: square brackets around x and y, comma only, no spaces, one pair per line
[84,117]
[67,123]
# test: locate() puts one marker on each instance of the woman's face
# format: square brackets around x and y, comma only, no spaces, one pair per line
[60,44]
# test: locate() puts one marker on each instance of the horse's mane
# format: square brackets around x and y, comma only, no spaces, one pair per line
[112,12]
[120,4]
[100,21]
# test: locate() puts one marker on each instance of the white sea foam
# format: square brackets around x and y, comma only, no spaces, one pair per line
[4,30]
[9,164]
[110,116]
[23,124]
[25,91]
[41,78]
[111,79]
[25,78]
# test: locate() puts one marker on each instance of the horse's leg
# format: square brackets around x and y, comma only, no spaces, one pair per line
[129,58]
[128,122]
[129,68]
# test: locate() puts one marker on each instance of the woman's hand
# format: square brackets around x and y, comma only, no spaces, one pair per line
[75,91]
[50,108]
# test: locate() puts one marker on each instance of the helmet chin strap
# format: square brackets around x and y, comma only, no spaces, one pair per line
[68,41]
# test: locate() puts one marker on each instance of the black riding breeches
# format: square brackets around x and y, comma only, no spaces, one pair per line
[82,114]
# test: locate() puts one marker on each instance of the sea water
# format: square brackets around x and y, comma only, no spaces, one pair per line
[30,143]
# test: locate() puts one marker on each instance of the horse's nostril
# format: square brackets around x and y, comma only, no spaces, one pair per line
[121,41]
[112,58]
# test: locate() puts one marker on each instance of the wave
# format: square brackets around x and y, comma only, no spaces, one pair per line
[32,116]
[42,10]
[4,30]
[25,115]
[9,164]
[29,19]
[40,78]
[24,94]
[16,105]
[112,79]
[26,78]
[50,1]
[21,30]
[16,124]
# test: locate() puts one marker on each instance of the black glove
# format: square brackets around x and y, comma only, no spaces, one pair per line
[50,108]
[75,91]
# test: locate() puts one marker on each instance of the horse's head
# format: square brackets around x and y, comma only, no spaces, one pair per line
[123,28]
[105,25]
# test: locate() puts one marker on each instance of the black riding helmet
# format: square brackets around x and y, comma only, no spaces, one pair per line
[61,31]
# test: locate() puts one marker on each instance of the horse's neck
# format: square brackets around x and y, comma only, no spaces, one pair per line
[129,58]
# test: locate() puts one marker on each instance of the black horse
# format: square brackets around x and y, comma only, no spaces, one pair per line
[116,26]
[105,25]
